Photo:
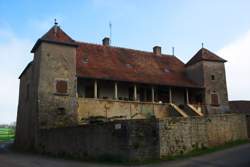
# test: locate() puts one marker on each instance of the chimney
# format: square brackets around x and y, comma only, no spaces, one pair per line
[106,41]
[157,50]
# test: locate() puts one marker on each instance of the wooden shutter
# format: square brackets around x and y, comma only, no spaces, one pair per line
[214,100]
[61,87]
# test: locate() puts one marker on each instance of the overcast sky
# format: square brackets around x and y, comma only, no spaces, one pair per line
[224,27]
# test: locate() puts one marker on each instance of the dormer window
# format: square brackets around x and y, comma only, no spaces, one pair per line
[166,70]
[129,65]
[85,60]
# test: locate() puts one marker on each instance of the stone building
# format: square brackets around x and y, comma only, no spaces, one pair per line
[70,83]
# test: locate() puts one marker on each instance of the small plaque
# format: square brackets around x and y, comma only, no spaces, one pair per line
[118,126]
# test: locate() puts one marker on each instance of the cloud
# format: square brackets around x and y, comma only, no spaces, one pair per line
[14,57]
[238,68]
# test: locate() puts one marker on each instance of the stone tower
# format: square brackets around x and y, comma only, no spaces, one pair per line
[55,60]
[208,70]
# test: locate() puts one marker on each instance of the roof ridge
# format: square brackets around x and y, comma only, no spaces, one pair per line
[118,47]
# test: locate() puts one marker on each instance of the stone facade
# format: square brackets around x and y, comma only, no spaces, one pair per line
[57,62]
[123,85]
[212,76]
[120,109]
[118,140]
[181,135]
[24,133]
[129,140]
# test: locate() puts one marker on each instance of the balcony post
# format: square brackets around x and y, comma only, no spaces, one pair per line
[187,96]
[170,95]
[153,94]
[135,92]
[116,91]
[95,89]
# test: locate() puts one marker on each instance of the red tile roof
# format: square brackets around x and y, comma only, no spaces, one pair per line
[204,54]
[241,106]
[114,63]
[55,35]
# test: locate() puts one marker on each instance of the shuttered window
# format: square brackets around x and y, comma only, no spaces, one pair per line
[61,87]
[214,100]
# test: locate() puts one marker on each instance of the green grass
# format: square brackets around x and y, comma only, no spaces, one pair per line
[193,153]
[111,160]
[203,151]
[6,134]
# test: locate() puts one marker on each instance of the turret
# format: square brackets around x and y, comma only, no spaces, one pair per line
[208,70]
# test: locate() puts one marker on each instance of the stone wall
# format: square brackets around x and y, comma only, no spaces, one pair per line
[119,140]
[24,133]
[57,62]
[181,135]
[248,125]
[142,139]
[201,73]
[115,108]
[27,117]
[217,86]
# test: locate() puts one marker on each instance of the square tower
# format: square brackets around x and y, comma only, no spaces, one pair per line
[208,70]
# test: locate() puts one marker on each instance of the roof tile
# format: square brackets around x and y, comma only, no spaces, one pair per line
[204,54]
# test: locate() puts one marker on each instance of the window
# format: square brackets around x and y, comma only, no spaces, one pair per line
[129,66]
[61,87]
[85,58]
[61,111]
[212,77]
[166,70]
[214,100]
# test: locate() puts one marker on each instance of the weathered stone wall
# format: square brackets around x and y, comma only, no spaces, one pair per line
[27,118]
[24,134]
[181,135]
[195,73]
[248,125]
[142,139]
[119,140]
[57,62]
[218,86]
[201,73]
[114,108]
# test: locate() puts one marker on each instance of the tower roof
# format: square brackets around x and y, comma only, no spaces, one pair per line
[206,55]
[55,35]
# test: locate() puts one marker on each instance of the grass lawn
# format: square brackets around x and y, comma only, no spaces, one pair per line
[6,134]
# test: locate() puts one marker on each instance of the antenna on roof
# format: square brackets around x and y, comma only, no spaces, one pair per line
[55,26]
[173,51]
[110,31]
[202,45]
[55,22]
